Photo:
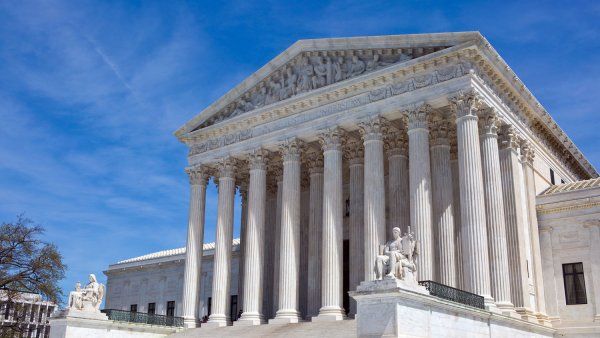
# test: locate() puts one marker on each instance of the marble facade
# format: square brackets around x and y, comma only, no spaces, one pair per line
[335,142]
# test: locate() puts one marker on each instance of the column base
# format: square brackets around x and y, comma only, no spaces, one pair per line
[489,304]
[328,314]
[543,319]
[507,309]
[526,314]
[286,317]
[217,321]
[249,319]
[190,323]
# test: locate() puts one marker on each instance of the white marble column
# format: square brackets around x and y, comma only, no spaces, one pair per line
[456,207]
[315,233]
[494,206]
[552,288]
[243,190]
[398,198]
[277,239]
[374,196]
[420,189]
[443,201]
[333,221]
[510,174]
[269,245]
[193,255]
[254,236]
[355,156]
[474,232]
[223,245]
[528,155]
[289,250]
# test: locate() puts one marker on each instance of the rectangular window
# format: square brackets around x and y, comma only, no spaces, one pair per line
[151,308]
[133,308]
[574,283]
[209,307]
[171,308]
[552,176]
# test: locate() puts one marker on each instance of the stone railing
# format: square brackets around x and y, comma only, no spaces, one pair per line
[453,294]
[143,318]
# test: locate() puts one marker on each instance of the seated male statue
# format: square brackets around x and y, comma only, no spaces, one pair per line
[88,298]
[395,255]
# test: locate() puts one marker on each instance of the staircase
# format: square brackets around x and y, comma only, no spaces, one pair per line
[334,329]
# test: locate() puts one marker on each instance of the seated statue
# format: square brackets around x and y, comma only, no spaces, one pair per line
[89,298]
[396,258]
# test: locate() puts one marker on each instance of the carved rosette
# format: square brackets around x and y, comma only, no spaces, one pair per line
[465,104]
[488,121]
[257,159]
[508,138]
[198,175]
[439,130]
[331,139]
[373,128]
[527,153]
[418,116]
[291,149]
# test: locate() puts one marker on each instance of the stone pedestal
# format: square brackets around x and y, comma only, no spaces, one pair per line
[394,308]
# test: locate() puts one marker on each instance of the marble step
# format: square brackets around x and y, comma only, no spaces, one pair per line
[344,328]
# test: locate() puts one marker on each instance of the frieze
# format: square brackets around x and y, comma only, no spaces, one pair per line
[394,89]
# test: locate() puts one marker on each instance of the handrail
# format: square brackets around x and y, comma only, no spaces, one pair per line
[453,294]
[143,318]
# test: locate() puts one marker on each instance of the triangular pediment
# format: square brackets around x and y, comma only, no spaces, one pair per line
[308,65]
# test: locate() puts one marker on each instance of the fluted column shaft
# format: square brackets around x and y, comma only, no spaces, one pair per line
[456,208]
[420,189]
[374,196]
[255,227]
[277,243]
[472,205]
[193,253]
[512,182]
[356,229]
[398,183]
[223,246]
[333,222]
[243,190]
[443,201]
[494,206]
[289,251]
[315,235]
[528,156]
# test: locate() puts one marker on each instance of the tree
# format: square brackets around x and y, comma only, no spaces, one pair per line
[27,265]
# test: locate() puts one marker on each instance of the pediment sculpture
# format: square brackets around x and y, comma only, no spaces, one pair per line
[309,71]
[89,297]
[396,259]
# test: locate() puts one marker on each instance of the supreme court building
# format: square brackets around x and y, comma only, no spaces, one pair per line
[336,141]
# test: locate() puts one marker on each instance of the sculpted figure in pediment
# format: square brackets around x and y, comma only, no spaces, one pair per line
[258,99]
[339,69]
[274,92]
[306,73]
[357,66]
[290,84]
[376,63]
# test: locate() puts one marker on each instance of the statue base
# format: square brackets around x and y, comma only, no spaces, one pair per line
[402,308]
[85,314]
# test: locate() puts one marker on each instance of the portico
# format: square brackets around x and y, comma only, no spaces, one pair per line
[344,121]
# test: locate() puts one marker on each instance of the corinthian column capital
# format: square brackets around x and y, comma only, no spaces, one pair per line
[314,162]
[227,167]
[465,103]
[508,138]
[198,175]
[488,121]
[439,130]
[372,128]
[354,152]
[396,142]
[418,116]
[527,152]
[257,159]
[331,139]
[291,149]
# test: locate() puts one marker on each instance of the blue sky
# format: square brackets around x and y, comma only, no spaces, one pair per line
[90,93]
